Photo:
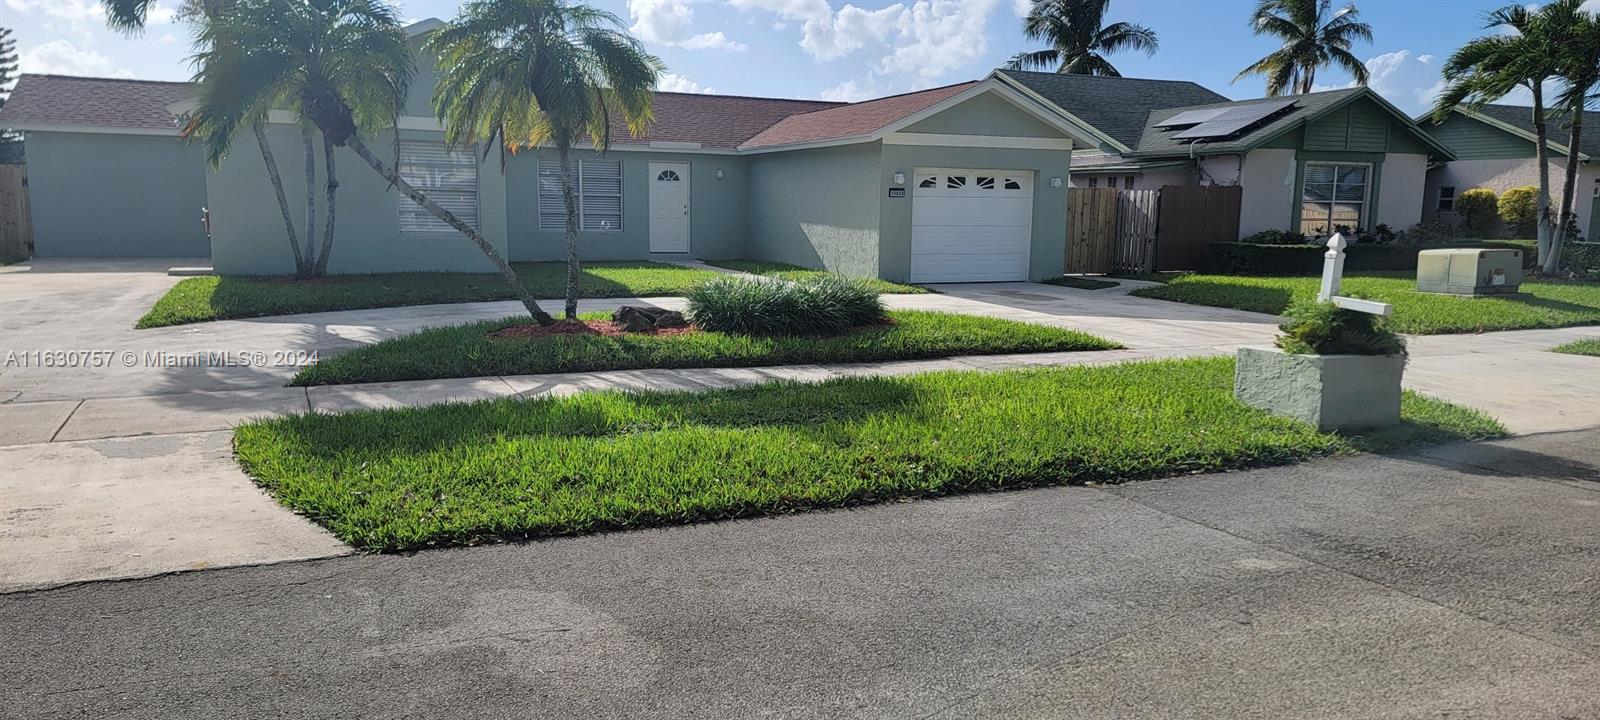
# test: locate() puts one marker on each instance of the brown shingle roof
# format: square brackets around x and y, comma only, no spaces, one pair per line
[714,121]
[95,102]
[860,118]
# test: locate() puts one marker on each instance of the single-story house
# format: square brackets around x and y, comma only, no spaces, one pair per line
[965,182]
[1494,147]
[1305,162]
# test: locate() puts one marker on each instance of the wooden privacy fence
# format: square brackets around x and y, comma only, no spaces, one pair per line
[1112,230]
[16,226]
[1091,223]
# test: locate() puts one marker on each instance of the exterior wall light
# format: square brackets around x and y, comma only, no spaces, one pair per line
[719,173]
[1055,182]
[899,178]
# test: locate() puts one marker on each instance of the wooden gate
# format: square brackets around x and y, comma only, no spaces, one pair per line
[1191,218]
[1091,230]
[1137,212]
[16,226]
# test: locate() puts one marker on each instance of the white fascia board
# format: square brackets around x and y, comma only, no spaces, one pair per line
[989,141]
[92,129]
[1100,137]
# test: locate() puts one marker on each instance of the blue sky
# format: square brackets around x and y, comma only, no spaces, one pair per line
[839,50]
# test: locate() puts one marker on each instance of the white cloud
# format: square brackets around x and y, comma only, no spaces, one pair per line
[1425,59]
[1385,72]
[916,42]
[79,15]
[849,91]
[671,82]
[671,22]
[63,58]
[160,14]
[1022,7]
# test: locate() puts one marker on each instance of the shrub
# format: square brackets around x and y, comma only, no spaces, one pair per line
[1322,328]
[1239,258]
[1477,208]
[1434,233]
[1275,237]
[810,306]
[1582,257]
[1519,209]
[1380,235]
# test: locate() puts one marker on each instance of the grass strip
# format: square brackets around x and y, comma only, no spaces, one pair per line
[1544,304]
[1590,346]
[468,351]
[200,299]
[506,469]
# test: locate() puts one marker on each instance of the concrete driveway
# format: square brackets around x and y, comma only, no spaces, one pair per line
[1460,583]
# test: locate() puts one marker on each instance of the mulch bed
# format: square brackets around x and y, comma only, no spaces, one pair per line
[582,327]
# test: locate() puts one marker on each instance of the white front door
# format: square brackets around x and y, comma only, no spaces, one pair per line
[669,207]
[971,225]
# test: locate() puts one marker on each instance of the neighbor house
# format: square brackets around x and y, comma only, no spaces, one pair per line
[959,183]
[1304,162]
[1494,148]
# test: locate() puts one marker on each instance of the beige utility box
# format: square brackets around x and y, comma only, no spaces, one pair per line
[1469,271]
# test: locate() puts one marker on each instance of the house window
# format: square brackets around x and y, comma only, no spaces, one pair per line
[955,182]
[1094,182]
[1012,184]
[985,183]
[1127,183]
[931,181]
[1333,196]
[667,176]
[449,178]
[598,187]
[1447,198]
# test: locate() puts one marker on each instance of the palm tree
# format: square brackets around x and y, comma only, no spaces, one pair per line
[343,66]
[127,16]
[1524,50]
[1078,43]
[530,73]
[1580,73]
[1313,36]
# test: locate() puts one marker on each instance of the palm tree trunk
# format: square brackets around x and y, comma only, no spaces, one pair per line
[333,186]
[1552,262]
[283,200]
[311,198]
[449,218]
[1541,145]
[564,149]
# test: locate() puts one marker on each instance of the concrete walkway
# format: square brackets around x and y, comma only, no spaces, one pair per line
[63,426]
[1456,583]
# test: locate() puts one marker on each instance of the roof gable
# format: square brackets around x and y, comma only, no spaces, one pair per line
[1517,120]
[1117,107]
[64,100]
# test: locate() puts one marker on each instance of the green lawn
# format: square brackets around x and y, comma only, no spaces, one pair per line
[468,351]
[1589,346]
[1545,305]
[1081,283]
[221,298]
[795,272]
[468,473]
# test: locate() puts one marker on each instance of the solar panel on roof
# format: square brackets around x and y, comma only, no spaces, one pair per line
[1191,117]
[1235,119]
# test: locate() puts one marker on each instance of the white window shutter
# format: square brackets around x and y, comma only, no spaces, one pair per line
[449,178]
[601,181]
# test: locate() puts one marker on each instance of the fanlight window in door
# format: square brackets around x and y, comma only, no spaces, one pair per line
[667,176]
[955,182]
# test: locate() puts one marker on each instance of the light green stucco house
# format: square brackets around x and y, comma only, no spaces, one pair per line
[1305,162]
[965,182]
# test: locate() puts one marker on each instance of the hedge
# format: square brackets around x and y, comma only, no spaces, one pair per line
[1236,258]
[1582,256]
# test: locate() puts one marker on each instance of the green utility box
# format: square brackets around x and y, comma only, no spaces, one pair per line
[1469,272]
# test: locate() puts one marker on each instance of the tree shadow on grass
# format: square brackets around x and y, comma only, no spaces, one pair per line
[1553,304]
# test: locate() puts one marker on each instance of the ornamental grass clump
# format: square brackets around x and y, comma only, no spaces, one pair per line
[811,306]
[1322,328]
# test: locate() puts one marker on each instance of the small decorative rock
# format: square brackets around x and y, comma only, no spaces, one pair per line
[636,318]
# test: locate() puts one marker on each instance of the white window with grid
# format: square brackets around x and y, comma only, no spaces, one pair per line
[448,177]
[1334,195]
[597,185]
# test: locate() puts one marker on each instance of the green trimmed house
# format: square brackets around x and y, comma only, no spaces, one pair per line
[1305,162]
[1494,148]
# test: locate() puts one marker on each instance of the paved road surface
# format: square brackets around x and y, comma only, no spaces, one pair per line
[1461,583]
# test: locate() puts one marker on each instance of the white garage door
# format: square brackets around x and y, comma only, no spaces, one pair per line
[970,225]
